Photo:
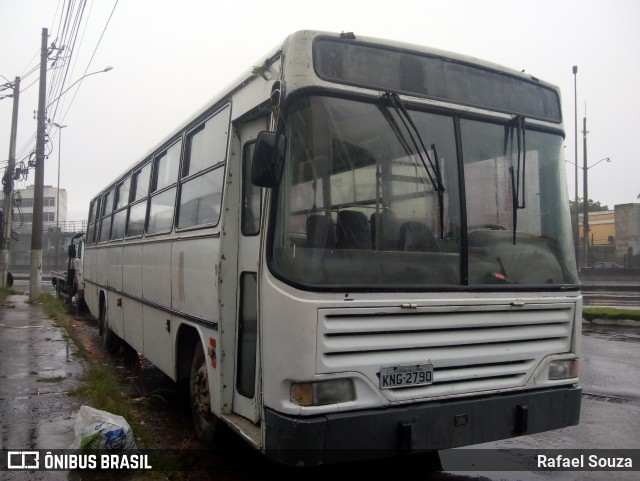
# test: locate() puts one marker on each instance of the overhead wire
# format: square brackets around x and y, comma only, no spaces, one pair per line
[92,56]
[26,151]
[69,17]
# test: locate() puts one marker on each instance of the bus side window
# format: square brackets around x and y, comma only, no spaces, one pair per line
[251,195]
[107,208]
[202,177]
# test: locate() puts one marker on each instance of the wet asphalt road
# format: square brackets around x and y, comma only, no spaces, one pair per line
[38,367]
[610,417]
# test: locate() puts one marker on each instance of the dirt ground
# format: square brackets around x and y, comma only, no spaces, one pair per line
[167,419]
[166,416]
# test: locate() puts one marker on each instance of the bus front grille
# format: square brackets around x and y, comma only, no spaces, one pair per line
[471,348]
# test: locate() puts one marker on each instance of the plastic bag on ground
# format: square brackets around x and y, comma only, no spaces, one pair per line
[101,430]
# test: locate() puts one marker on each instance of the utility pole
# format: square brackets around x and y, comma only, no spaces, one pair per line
[7,187]
[585,187]
[35,276]
[576,216]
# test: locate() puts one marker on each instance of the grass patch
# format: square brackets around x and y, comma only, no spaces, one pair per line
[53,307]
[591,313]
[103,389]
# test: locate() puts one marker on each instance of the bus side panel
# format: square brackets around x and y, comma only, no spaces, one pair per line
[156,288]
[90,295]
[101,275]
[158,339]
[132,323]
[114,300]
[194,282]
[132,285]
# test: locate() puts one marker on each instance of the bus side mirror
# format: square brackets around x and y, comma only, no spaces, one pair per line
[71,251]
[268,159]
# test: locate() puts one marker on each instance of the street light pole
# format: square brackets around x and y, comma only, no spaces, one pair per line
[35,276]
[106,69]
[60,127]
[585,188]
[585,205]
[576,232]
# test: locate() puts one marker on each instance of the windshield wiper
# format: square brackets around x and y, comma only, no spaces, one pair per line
[518,173]
[431,168]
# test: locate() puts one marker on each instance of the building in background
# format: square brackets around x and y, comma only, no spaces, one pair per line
[602,227]
[56,229]
[23,208]
[614,235]
[627,231]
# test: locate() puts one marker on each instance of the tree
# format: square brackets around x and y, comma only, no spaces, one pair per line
[592,206]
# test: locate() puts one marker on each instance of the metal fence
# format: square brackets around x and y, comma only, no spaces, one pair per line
[69,226]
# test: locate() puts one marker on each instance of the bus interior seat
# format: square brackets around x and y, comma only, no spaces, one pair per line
[321,231]
[417,236]
[389,229]
[353,230]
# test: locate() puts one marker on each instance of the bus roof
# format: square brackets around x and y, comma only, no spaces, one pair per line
[306,37]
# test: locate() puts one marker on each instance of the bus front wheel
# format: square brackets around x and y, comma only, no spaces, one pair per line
[206,424]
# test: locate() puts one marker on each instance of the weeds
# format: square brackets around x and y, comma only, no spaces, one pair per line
[104,389]
[53,307]
[591,313]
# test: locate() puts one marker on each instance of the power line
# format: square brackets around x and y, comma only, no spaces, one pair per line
[91,59]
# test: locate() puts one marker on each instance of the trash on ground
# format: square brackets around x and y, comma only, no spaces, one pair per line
[101,430]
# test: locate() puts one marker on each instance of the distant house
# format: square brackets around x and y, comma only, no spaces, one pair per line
[602,227]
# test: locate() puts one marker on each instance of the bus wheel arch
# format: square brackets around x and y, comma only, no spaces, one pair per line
[207,425]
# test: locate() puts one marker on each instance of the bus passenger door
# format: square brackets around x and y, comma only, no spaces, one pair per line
[246,399]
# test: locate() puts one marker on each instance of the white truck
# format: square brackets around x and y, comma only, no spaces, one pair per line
[70,283]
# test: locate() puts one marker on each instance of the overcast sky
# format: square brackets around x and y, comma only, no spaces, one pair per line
[170,57]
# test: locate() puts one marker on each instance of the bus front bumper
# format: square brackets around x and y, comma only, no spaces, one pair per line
[428,426]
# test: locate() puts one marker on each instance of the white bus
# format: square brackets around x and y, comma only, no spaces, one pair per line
[360,248]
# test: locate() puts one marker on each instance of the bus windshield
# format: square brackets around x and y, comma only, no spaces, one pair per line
[358,207]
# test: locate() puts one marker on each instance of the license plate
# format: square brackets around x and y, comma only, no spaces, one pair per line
[408,375]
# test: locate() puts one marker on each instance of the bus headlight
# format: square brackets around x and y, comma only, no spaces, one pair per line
[323,392]
[564,369]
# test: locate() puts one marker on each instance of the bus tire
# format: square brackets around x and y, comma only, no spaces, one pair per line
[110,341]
[206,424]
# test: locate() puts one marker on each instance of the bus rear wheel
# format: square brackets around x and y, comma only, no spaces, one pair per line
[206,424]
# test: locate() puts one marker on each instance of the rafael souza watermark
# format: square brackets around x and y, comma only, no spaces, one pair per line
[591,461]
[529,460]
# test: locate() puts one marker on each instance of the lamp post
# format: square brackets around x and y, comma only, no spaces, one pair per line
[585,219]
[60,127]
[585,206]
[576,232]
[106,69]
[35,275]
